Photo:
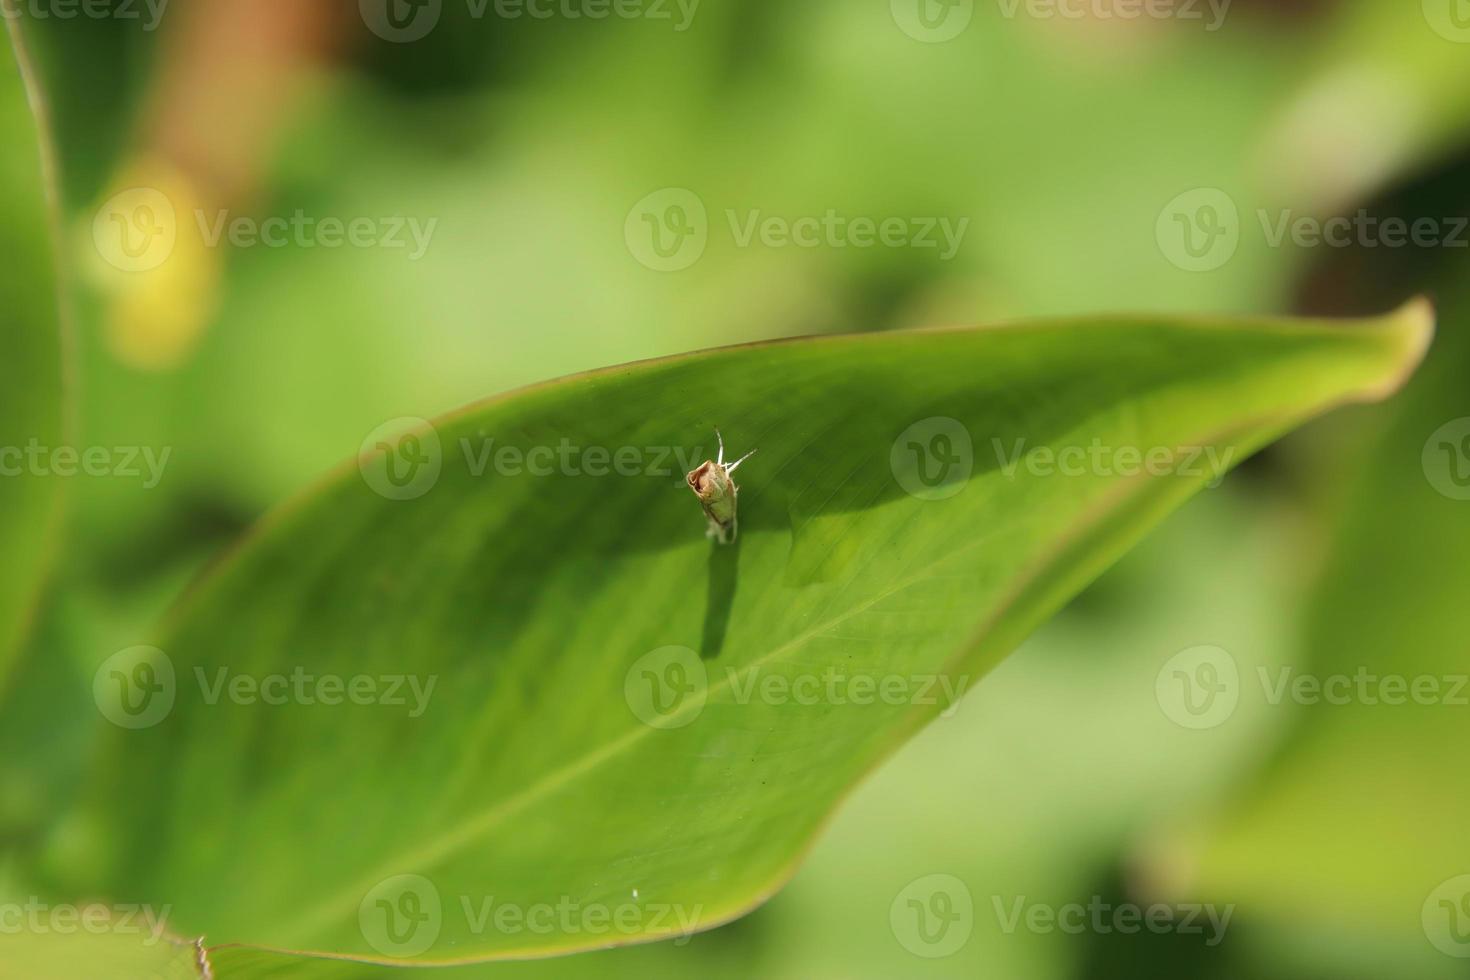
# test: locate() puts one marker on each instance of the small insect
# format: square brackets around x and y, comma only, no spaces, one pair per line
[717,493]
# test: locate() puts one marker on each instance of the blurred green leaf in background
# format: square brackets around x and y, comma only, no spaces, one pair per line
[32,414]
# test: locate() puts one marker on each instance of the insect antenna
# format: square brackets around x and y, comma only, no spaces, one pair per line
[731,467]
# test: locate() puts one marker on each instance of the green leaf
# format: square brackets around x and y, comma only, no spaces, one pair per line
[542,798]
[31,412]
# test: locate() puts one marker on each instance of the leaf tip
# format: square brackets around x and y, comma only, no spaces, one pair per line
[1411,328]
[1417,317]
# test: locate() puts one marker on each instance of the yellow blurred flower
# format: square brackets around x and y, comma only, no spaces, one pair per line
[157,277]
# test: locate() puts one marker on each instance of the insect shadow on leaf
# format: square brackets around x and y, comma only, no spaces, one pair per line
[723,562]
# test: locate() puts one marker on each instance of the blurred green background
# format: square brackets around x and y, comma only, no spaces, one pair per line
[1100,157]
